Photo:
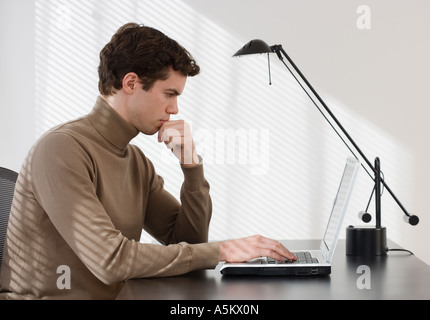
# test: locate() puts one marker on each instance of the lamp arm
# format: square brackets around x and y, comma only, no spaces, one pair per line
[279,52]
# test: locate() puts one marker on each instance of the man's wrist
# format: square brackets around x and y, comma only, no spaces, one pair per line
[196,161]
[194,178]
[221,251]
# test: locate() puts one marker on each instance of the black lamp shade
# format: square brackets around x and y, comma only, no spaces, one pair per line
[253,47]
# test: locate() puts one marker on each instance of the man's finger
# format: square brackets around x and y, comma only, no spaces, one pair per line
[275,246]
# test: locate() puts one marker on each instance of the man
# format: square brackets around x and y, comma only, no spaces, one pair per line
[84,193]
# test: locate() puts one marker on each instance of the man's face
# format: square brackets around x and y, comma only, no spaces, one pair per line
[150,109]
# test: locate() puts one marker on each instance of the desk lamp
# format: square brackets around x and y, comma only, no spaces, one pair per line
[360,241]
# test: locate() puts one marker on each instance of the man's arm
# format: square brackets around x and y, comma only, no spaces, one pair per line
[169,221]
[166,219]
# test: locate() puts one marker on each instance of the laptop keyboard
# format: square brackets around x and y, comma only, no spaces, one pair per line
[305,257]
[302,257]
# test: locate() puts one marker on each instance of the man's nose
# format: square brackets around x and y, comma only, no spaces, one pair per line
[173,108]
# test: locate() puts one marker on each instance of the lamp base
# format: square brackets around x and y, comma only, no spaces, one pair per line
[366,241]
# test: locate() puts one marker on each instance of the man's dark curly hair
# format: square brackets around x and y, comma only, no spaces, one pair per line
[145,51]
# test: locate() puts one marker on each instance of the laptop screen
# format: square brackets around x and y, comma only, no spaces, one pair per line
[339,207]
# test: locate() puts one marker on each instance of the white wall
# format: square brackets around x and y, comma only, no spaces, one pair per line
[16,81]
[282,177]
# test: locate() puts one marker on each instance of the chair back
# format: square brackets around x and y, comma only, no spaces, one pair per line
[7,187]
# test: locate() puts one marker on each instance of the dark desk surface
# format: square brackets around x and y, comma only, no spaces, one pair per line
[398,275]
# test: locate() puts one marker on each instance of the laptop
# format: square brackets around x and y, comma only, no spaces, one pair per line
[316,262]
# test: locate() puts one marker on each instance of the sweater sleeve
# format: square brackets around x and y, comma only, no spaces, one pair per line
[63,184]
[172,222]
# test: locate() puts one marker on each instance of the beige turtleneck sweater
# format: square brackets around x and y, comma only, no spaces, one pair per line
[82,197]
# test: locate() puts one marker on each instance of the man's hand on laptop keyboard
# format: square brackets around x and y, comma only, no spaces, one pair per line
[248,248]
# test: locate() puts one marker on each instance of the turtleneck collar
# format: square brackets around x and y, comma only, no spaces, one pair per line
[111,125]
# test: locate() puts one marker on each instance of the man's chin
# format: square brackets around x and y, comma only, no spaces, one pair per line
[149,132]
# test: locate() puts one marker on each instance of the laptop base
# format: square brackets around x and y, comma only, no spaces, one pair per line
[278,271]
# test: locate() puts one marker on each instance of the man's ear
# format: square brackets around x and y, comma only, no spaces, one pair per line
[130,82]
